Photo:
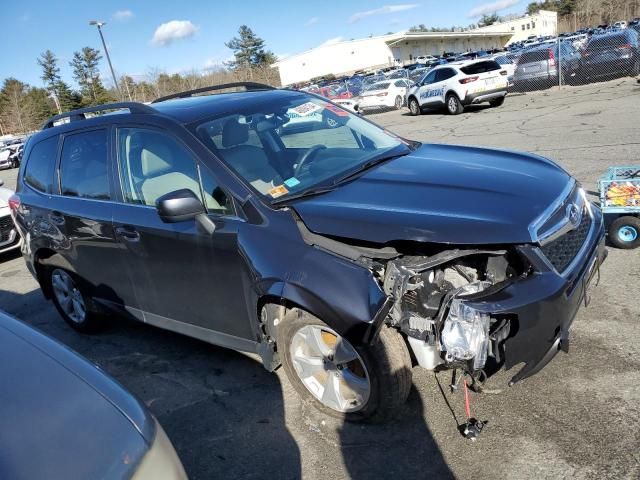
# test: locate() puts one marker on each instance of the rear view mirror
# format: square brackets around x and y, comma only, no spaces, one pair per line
[179,206]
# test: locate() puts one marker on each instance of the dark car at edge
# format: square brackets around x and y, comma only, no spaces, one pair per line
[64,418]
[276,222]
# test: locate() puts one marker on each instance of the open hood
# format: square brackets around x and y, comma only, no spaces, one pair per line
[441,194]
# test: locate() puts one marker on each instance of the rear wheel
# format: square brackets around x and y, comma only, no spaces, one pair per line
[624,232]
[398,103]
[454,106]
[355,383]
[497,102]
[71,302]
[414,106]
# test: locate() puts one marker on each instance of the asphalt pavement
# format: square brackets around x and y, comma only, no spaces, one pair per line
[578,418]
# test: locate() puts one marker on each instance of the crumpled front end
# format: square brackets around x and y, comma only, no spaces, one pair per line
[481,309]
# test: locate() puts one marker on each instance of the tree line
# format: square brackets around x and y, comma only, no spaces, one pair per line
[24,107]
[575,14]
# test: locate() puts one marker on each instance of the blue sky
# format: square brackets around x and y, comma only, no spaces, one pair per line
[179,36]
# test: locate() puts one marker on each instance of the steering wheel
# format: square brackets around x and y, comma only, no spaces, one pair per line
[308,154]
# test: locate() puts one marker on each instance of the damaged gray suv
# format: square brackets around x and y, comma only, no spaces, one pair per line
[275,222]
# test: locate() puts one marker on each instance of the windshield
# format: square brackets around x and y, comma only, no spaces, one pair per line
[295,143]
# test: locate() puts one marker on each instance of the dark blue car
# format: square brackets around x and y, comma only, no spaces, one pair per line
[274,221]
[64,418]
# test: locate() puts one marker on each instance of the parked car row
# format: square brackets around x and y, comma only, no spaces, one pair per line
[578,58]
[11,153]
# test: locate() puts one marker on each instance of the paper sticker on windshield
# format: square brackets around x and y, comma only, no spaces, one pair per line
[306,109]
[278,191]
[337,110]
[292,182]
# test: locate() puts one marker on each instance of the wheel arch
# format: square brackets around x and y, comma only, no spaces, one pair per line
[43,259]
[294,296]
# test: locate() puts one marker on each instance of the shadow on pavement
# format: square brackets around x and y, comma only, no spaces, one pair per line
[401,448]
[222,411]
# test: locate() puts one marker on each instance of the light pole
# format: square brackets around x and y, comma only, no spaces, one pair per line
[113,74]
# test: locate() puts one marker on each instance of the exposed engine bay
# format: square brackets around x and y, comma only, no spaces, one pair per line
[430,306]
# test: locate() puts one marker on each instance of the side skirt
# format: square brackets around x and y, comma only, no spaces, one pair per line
[195,331]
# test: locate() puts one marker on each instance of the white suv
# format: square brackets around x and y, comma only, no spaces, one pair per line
[425,58]
[458,84]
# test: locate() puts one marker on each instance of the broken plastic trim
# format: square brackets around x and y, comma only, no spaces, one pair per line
[345,250]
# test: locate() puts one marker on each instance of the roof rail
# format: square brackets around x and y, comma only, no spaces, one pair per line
[75,115]
[190,93]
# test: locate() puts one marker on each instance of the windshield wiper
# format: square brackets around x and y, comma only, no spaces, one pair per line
[305,193]
[366,166]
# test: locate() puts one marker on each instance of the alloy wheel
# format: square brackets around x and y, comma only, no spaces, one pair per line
[68,296]
[330,368]
[452,104]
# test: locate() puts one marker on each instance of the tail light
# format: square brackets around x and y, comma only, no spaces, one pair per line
[503,72]
[381,94]
[552,58]
[626,46]
[469,79]
[14,204]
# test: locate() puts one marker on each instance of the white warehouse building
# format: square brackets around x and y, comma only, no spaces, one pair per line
[347,57]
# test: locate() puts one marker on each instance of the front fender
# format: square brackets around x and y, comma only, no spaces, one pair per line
[341,293]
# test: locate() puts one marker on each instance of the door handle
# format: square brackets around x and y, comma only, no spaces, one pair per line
[127,233]
[57,218]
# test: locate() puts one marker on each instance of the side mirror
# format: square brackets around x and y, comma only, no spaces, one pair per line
[179,206]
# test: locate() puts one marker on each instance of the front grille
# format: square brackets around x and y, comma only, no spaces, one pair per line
[6,225]
[563,250]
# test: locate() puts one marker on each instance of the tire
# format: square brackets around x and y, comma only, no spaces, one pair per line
[414,107]
[635,70]
[398,102]
[385,368]
[67,294]
[497,102]
[453,105]
[624,232]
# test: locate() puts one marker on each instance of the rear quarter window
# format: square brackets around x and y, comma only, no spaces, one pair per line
[38,172]
[480,67]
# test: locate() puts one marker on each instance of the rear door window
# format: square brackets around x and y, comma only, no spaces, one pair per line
[40,164]
[84,171]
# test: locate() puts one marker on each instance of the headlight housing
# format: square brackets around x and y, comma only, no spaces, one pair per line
[465,334]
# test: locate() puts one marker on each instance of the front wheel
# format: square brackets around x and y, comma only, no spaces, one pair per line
[354,383]
[414,106]
[624,232]
[497,102]
[454,106]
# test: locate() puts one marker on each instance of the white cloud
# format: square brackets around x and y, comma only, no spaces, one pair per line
[331,41]
[282,56]
[123,15]
[356,17]
[171,31]
[311,21]
[492,7]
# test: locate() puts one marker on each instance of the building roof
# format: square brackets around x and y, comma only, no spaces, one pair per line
[448,35]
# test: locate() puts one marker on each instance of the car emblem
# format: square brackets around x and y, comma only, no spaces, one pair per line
[574,215]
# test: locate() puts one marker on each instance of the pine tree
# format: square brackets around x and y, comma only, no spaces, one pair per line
[249,50]
[85,71]
[67,99]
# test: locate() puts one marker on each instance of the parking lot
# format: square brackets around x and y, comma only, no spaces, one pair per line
[578,418]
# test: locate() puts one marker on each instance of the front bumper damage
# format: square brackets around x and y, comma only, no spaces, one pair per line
[530,311]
